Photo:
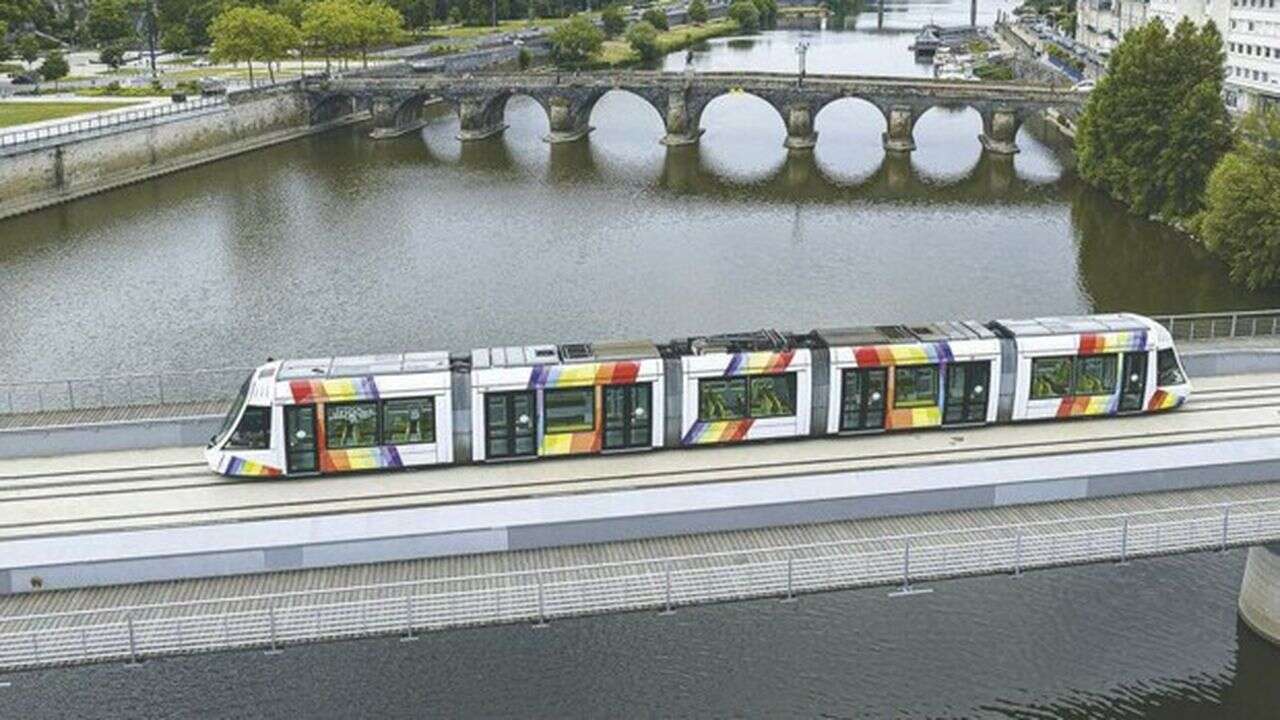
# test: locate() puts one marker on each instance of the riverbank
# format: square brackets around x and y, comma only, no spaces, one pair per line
[56,170]
[619,53]
[15,113]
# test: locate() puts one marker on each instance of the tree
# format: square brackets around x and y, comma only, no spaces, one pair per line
[55,67]
[109,21]
[6,51]
[768,10]
[112,55]
[697,12]
[1241,219]
[28,49]
[744,13]
[175,39]
[613,20]
[1154,127]
[575,40]
[643,38]
[251,33]
[657,18]
[376,23]
[331,26]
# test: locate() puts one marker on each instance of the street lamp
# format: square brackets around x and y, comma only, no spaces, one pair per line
[802,47]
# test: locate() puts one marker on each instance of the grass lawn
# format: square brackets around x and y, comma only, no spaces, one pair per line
[20,113]
[505,26]
[619,52]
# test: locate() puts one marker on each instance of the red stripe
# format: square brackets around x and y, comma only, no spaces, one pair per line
[300,390]
[739,430]
[867,357]
[1090,344]
[625,373]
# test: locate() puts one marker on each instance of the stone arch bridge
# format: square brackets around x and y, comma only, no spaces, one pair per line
[480,100]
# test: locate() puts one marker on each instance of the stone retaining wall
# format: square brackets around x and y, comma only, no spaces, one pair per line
[82,165]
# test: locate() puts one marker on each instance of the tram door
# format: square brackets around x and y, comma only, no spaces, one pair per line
[509,425]
[862,405]
[1133,379]
[300,438]
[968,385]
[628,416]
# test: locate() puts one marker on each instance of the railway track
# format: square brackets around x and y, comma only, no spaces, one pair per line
[54,497]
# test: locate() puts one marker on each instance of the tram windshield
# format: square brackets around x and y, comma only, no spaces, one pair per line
[230,420]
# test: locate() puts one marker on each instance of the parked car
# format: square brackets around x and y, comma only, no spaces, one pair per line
[24,79]
[1084,86]
[201,62]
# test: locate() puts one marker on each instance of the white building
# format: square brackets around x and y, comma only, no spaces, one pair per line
[1250,29]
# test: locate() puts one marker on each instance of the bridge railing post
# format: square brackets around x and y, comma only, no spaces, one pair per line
[1124,541]
[1017,554]
[542,603]
[133,642]
[666,567]
[1226,524]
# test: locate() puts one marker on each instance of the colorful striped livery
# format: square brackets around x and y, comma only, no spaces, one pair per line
[562,376]
[571,443]
[921,417]
[759,363]
[374,458]
[1099,343]
[719,431]
[885,355]
[1082,405]
[333,390]
[1161,400]
[239,467]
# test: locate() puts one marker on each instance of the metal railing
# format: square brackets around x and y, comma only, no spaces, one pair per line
[108,121]
[1223,325]
[272,621]
[129,390]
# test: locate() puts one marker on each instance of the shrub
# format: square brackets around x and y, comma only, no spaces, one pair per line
[656,18]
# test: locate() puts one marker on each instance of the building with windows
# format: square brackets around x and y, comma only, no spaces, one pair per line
[1250,30]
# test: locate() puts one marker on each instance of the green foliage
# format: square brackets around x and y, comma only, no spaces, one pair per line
[657,18]
[109,21]
[251,33]
[28,49]
[697,12]
[994,71]
[613,21]
[112,55]
[524,59]
[768,10]
[1155,126]
[1241,219]
[744,13]
[175,39]
[574,41]
[6,51]
[643,38]
[54,67]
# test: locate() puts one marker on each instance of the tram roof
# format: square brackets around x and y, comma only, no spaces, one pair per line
[896,334]
[527,355]
[359,365]
[1072,325]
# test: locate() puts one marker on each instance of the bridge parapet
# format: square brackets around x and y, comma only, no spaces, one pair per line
[679,99]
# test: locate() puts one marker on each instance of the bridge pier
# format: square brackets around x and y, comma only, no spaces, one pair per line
[800,133]
[393,117]
[568,123]
[900,135]
[1000,130]
[1259,603]
[682,129]
[477,119]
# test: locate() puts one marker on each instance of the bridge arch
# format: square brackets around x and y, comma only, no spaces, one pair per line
[331,106]
[947,135]
[631,98]
[852,130]
[736,122]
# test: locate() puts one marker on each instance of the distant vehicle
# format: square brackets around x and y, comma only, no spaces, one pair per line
[1084,86]
[23,80]
[211,86]
[201,62]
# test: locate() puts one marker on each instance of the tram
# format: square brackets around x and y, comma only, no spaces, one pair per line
[333,415]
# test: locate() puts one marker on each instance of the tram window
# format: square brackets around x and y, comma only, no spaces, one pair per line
[722,399]
[1095,375]
[1167,368]
[409,421]
[351,425]
[915,386]
[254,430]
[772,395]
[1050,377]
[230,419]
[571,410]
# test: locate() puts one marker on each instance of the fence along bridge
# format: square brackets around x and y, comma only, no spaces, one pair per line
[396,102]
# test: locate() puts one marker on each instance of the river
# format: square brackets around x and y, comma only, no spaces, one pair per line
[339,244]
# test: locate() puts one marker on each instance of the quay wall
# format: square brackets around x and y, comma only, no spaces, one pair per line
[58,170]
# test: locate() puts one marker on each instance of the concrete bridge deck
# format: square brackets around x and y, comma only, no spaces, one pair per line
[272,610]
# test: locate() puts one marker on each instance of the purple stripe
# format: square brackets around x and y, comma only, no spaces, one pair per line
[735,363]
[538,378]
[391,457]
